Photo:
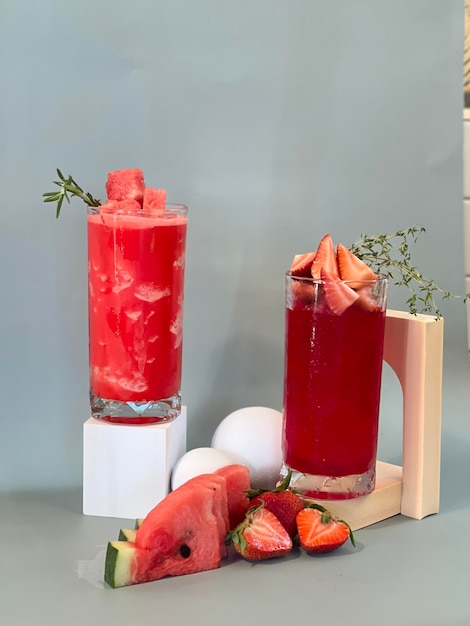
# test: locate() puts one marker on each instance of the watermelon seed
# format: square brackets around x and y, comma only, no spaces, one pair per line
[185,551]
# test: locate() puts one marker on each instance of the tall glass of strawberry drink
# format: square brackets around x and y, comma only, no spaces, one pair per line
[136,260]
[333,366]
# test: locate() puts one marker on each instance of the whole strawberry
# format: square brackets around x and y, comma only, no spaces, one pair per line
[320,531]
[283,503]
[260,536]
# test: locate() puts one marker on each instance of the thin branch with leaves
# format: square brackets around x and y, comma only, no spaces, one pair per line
[68,187]
[390,256]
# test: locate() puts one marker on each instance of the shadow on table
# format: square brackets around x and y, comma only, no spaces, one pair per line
[455,468]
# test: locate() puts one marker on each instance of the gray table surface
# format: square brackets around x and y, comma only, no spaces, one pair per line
[403,571]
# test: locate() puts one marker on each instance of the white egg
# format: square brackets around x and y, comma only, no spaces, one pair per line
[253,435]
[199,461]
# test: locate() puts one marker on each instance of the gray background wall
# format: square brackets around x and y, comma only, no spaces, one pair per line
[276,122]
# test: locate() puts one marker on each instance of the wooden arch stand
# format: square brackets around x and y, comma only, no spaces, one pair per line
[414,350]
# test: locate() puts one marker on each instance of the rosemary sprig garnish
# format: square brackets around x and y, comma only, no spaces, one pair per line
[390,255]
[68,187]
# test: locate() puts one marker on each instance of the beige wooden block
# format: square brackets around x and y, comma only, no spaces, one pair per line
[382,503]
[414,350]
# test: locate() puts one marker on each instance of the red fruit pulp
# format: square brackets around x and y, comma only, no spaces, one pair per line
[125,184]
[237,479]
[136,272]
[181,533]
[333,369]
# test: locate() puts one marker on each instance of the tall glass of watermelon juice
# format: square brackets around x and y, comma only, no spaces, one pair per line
[136,265]
[333,368]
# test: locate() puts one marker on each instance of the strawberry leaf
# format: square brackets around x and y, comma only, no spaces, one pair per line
[252,493]
[315,505]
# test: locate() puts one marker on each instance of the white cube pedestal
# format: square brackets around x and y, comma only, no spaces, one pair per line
[127,469]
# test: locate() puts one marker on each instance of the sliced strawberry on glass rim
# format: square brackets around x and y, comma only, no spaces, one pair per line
[351,268]
[325,258]
[338,295]
[301,264]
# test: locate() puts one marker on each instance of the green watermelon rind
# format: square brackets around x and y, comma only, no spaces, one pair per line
[119,556]
[127,534]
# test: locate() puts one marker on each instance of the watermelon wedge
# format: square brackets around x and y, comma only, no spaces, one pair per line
[232,507]
[220,510]
[237,483]
[220,505]
[181,535]
[126,564]
[171,519]
[184,533]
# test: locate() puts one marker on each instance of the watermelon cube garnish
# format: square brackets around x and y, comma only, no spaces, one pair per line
[154,199]
[121,206]
[126,184]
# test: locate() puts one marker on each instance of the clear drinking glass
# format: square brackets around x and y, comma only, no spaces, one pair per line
[333,369]
[136,263]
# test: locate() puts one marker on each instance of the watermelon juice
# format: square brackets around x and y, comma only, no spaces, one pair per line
[135,277]
[333,369]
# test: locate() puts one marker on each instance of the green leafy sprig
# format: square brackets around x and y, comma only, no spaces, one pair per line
[390,256]
[68,187]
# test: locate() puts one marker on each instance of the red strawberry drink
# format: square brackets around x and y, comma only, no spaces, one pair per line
[333,367]
[136,270]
